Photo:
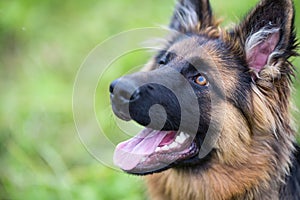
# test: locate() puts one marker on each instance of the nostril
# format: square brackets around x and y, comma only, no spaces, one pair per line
[123,90]
[112,86]
[150,87]
[135,96]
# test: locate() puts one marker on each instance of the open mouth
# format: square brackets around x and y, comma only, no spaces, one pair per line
[152,150]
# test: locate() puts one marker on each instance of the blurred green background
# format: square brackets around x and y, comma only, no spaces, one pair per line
[42,45]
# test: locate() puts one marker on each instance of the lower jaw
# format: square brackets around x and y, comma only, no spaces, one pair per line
[189,160]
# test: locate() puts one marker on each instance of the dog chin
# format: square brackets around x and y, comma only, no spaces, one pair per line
[153,151]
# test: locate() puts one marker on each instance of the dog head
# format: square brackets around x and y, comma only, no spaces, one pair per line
[203,95]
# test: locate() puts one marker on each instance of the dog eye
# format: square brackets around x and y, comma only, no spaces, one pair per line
[201,80]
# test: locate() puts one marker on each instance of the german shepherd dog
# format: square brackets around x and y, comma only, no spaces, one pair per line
[216,108]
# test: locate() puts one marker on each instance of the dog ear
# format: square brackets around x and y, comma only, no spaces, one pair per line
[192,15]
[267,34]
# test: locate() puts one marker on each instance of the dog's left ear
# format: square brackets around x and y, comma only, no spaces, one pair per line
[267,34]
[192,16]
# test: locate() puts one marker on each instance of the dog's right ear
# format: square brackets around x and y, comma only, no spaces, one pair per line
[192,16]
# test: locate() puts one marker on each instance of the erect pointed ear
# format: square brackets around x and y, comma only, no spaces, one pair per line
[192,16]
[267,33]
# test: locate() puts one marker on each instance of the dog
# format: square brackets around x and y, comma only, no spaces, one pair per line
[215,104]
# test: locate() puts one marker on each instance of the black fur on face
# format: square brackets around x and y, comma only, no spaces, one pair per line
[164,86]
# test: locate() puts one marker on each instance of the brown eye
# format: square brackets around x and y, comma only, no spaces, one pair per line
[201,80]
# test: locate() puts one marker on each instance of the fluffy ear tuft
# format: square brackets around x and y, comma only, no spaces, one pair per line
[260,46]
[192,16]
[267,34]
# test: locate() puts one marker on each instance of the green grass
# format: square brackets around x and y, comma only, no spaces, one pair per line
[43,44]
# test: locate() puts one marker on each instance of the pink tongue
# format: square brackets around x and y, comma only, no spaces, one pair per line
[128,154]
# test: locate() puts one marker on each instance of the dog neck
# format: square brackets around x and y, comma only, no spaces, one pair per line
[258,179]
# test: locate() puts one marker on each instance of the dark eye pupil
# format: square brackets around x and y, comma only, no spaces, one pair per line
[201,79]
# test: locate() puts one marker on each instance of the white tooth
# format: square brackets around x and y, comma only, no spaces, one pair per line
[165,148]
[182,137]
[179,140]
[173,145]
[181,134]
[157,149]
[143,159]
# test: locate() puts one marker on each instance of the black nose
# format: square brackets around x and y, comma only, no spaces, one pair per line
[124,90]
